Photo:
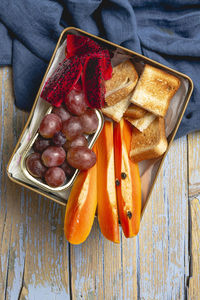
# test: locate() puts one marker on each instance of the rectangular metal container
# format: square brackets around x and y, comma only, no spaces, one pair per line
[136,57]
[91,140]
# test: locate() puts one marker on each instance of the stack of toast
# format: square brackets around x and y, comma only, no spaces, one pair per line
[143,101]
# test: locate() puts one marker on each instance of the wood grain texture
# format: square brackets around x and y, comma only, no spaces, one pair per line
[194,283]
[33,252]
[153,265]
[163,238]
[37,263]
[194,163]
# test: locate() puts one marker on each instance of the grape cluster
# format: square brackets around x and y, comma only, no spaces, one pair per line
[61,146]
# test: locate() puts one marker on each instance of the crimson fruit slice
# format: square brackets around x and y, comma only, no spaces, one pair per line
[93,82]
[80,45]
[62,81]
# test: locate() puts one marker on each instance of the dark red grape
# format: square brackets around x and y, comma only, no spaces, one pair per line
[69,171]
[62,113]
[75,102]
[55,177]
[59,139]
[72,128]
[41,144]
[89,121]
[50,125]
[78,141]
[34,165]
[53,156]
[81,158]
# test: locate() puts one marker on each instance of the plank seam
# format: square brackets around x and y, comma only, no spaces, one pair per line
[122,267]
[8,261]
[138,266]
[22,284]
[103,268]
[70,271]
[187,278]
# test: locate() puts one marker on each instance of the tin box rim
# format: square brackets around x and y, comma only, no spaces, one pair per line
[188,95]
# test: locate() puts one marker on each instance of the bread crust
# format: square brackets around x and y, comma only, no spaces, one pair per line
[142,123]
[154,90]
[117,110]
[134,112]
[149,144]
[122,83]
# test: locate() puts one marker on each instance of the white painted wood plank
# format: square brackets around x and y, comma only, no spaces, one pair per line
[33,252]
[163,238]
[11,262]
[194,163]
[194,283]
[46,262]
[153,265]
[130,267]
[87,267]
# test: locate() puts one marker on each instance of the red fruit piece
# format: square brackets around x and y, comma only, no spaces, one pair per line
[62,113]
[69,171]
[34,165]
[93,81]
[78,86]
[81,158]
[104,56]
[80,45]
[72,128]
[55,177]
[106,64]
[89,121]
[50,124]
[75,102]
[53,156]
[62,81]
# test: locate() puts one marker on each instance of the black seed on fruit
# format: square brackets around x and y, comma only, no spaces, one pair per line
[123,175]
[129,214]
[117,182]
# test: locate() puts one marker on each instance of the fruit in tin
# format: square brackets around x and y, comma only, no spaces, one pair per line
[89,121]
[50,124]
[53,156]
[55,177]
[81,158]
[75,102]
[72,128]
[34,165]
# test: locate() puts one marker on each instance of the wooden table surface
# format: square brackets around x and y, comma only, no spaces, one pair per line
[162,262]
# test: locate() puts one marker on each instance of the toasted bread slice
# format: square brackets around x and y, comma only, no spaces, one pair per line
[142,123]
[155,90]
[123,81]
[116,111]
[151,143]
[134,112]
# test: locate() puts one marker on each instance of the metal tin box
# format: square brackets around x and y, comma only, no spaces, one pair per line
[139,61]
